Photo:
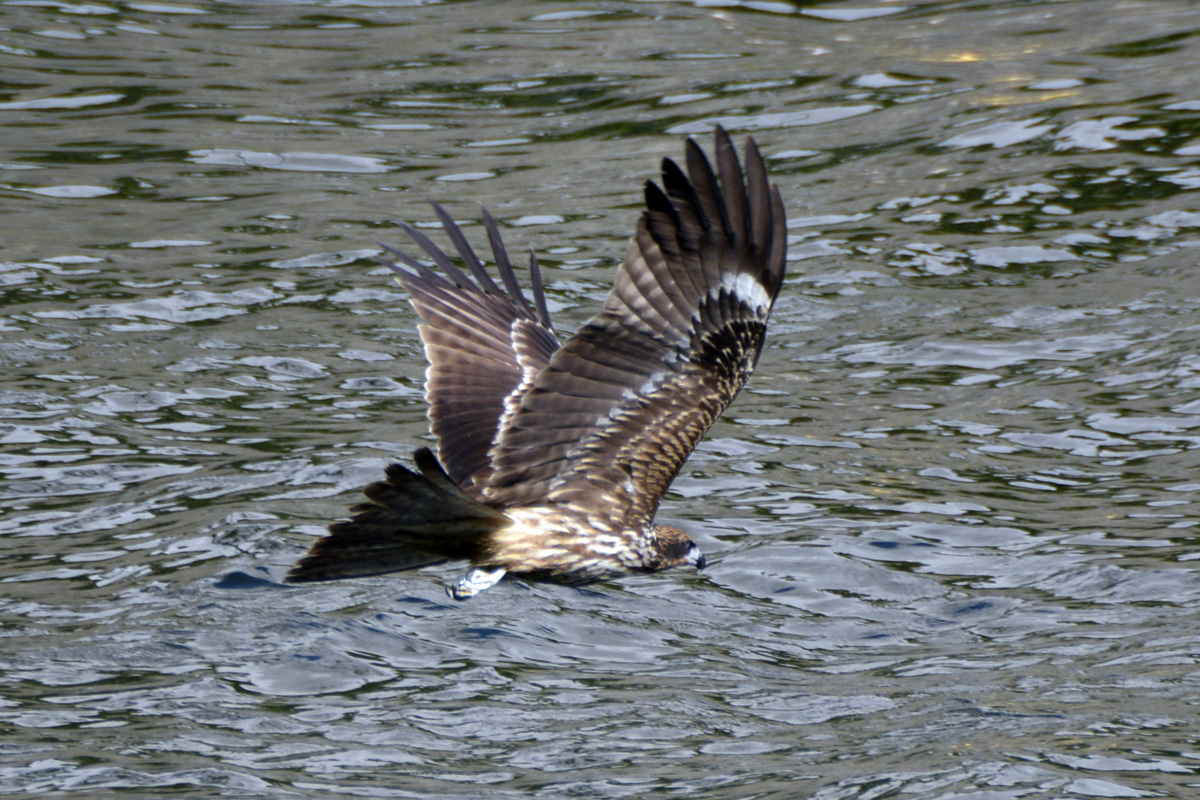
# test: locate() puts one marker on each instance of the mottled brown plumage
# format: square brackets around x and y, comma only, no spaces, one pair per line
[553,457]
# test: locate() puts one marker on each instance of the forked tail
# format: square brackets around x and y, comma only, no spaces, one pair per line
[412,520]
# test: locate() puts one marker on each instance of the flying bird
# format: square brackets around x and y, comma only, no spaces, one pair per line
[552,457]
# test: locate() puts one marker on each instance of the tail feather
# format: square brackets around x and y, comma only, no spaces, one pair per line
[412,520]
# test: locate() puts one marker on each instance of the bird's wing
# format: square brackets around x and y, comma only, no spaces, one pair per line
[485,345]
[622,404]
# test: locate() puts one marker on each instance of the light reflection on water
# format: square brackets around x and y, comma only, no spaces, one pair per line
[950,522]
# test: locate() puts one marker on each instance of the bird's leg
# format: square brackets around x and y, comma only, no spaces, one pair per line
[475,581]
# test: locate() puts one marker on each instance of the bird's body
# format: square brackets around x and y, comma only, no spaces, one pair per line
[553,457]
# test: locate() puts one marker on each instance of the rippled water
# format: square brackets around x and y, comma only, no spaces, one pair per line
[951,523]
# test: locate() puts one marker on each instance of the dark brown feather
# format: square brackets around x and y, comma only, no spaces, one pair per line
[412,519]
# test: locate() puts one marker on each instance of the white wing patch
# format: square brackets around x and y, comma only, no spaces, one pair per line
[744,287]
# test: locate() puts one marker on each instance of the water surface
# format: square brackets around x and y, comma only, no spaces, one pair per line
[950,523]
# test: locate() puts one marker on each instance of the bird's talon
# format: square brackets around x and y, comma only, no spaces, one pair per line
[475,581]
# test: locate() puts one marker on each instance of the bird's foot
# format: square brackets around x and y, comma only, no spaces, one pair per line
[475,581]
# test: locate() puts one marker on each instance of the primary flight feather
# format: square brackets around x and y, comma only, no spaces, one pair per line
[553,457]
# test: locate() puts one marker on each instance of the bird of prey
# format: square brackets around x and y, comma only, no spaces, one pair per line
[552,457]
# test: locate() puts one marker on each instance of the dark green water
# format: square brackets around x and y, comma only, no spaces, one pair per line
[951,524]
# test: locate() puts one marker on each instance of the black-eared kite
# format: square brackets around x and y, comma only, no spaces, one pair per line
[553,456]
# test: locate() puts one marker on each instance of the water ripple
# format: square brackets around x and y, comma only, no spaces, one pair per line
[950,524]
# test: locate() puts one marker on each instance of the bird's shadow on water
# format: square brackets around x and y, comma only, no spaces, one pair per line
[426,604]
[243,579]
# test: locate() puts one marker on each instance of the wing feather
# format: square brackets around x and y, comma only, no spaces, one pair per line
[620,407]
[731,180]
[484,344]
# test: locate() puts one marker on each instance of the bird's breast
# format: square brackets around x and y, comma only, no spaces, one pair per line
[566,547]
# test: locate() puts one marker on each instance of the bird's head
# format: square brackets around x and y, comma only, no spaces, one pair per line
[673,548]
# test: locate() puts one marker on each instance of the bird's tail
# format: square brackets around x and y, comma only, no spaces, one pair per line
[412,520]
